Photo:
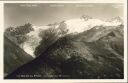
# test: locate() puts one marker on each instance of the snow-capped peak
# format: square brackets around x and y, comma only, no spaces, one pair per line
[85,17]
[80,25]
[115,20]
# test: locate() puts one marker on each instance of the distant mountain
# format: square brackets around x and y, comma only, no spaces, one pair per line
[116,20]
[96,53]
[14,56]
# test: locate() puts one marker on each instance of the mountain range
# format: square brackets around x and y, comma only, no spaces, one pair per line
[85,48]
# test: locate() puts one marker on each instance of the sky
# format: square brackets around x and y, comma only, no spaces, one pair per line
[39,14]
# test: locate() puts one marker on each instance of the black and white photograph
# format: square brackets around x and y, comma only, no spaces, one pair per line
[63,41]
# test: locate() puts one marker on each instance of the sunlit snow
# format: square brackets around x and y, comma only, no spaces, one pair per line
[79,25]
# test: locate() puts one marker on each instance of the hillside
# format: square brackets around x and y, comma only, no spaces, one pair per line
[14,56]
